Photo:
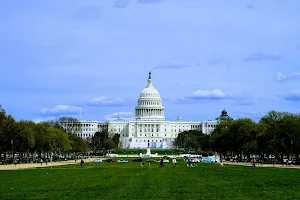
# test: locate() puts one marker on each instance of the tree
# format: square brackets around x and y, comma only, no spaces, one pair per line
[70,125]
[274,138]
[116,140]
[98,141]
[25,139]
[221,140]
[78,144]
[238,136]
[8,133]
[193,139]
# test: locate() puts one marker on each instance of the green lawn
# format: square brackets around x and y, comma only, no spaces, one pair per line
[130,181]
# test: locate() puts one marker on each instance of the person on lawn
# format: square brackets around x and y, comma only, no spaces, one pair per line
[174,161]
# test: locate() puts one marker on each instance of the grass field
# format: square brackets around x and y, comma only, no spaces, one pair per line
[130,181]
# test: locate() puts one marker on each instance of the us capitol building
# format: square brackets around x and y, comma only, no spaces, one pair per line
[149,124]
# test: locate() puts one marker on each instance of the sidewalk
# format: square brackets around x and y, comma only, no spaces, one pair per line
[49,164]
[265,165]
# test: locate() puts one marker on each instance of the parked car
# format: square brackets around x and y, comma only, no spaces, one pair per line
[207,160]
[98,160]
[108,160]
[122,161]
[137,160]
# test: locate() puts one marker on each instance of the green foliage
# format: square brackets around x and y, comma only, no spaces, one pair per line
[192,139]
[29,137]
[277,133]
[101,142]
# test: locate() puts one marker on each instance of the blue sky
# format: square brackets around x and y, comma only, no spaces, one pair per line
[59,56]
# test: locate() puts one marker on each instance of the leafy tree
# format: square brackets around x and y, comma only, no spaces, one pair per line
[192,139]
[70,125]
[25,139]
[116,140]
[98,141]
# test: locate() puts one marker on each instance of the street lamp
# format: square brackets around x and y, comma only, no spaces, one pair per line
[292,150]
[12,148]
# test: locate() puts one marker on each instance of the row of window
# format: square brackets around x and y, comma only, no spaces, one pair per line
[151,140]
[150,103]
[84,135]
[83,129]
[212,125]
[82,125]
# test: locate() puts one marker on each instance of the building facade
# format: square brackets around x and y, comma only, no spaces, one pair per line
[148,126]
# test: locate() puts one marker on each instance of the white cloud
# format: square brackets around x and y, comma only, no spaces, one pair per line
[60,110]
[123,115]
[208,94]
[43,119]
[105,101]
[199,95]
[282,77]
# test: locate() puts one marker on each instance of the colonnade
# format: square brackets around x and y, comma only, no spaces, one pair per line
[152,112]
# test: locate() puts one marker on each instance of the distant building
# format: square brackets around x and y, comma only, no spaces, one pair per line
[224,116]
[149,124]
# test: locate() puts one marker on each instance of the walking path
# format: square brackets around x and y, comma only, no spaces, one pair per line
[68,162]
[265,165]
[49,164]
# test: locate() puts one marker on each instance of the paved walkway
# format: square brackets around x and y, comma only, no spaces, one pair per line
[68,162]
[265,165]
[49,164]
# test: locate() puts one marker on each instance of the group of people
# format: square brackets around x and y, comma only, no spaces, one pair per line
[161,162]
[190,162]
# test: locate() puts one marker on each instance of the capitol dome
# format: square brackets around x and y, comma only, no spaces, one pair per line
[149,103]
[150,91]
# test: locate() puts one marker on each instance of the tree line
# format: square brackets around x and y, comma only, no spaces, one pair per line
[48,138]
[27,138]
[275,134]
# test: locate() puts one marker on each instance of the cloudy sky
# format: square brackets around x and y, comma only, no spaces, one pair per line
[57,57]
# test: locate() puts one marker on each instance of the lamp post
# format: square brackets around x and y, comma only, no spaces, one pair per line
[12,148]
[292,150]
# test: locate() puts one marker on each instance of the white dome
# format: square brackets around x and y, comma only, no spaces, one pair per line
[149,103]
[149,92]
